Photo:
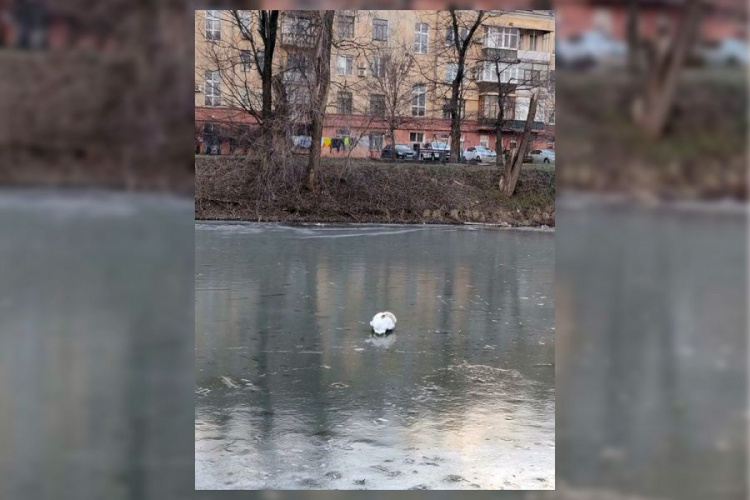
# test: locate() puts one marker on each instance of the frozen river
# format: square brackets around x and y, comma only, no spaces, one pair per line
[293,391]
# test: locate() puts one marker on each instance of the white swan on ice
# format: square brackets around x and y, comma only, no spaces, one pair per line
[383,322]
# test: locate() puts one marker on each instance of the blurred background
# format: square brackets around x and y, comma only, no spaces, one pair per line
[96,240]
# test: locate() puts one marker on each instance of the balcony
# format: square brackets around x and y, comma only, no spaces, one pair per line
[297,39]
[534,56]
[297,30]
[491,51]
[488,74]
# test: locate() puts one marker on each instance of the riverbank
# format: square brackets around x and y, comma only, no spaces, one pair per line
[702,156]
[226,188]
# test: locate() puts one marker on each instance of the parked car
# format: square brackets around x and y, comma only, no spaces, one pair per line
[542,156]
[433,151]
[729,52]
[403,152]
[480,154]
[589,49]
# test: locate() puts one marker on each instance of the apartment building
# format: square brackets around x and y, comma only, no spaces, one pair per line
[511,53]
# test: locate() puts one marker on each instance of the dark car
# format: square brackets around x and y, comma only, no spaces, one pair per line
[402,152]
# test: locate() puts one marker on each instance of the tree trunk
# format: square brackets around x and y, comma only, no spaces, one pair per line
[393,144]
[456,120]
[500,159]
[313,161]
[509,178]
[653,107]
[461,46]
[633,44]
[320,96]
[270,25]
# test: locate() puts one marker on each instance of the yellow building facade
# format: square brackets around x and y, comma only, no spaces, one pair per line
[514,48]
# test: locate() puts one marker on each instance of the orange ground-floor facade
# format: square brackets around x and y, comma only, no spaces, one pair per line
[218,129]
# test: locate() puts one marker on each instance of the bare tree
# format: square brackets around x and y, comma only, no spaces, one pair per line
[391,87]
[351,95]
[509,178]
[652,107]
[266,30]
[512,77]
[498,65]
[464,25]
[319,93]
[239,61]
[632,32]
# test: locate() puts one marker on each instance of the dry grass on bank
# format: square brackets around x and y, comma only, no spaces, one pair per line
[703,154]
[231,188]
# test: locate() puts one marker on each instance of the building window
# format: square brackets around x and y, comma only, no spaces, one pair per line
[484,141]
[298,96]
[521,107]
[296,65]
[212,138]
[377,66]
[541,113]
[246,59]
[533,74]
[451,71]
[296,29]
[261,60]
[380,29]
[345,65]
[534,43]
[345,26]
[213,25]
[416,137]
[463,33]
[447,108]
[511,74]
[376,141]
[421,38]
[488,106]
[244,97]
[502,38]
[419,100]
[377,104]
[213,88]
[344,103]
[508,74]
[245,18]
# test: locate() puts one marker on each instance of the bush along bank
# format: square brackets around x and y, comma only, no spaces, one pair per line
[239,188]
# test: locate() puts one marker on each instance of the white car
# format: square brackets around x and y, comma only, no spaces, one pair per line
[729,52]
[591,48]
[542,156]
[480,154]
